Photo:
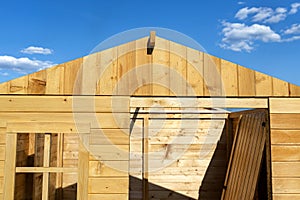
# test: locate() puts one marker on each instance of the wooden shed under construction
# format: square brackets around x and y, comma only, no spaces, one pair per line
[149,119]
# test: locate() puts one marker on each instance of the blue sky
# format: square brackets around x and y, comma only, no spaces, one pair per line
[262,35]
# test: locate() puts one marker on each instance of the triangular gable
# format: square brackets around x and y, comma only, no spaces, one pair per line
[176,60]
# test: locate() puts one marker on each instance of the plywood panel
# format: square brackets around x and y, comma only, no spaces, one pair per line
[195,72]
[229,75]
[246,82]
[264,85]
[280,88]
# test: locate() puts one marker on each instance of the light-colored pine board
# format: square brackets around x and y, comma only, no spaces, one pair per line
[46,163]
[99,120]
[37,82]
[143,63]
[90,73]
[160,67]
[178,71]
[9,178]
[108,168]
[229,76]
[195,81]
[212,76]
[200,102]
[282,153]
[18,85]
[109,136]
[108,196]
[280,87]
[2,152]
[285,169]
[285,121]
[264,85]
[108,185]
[73,76]
[286,196]
[294,90]
[47,127]
[83,172]
[246,82]
[64,104]
[126,62]
[55,80]
[284,105]
[109,152]
[4,88]
[108,71]
[286,185]
[287,137]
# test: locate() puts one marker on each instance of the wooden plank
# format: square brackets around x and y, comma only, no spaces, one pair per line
[280,88]
[195,72]
[73,70]
[45,169]
[1,170]
[90,73]
[98,120]
[55,80]
[229,75]
[108,71]
[47,127]
[287,137]
[282,153]
[108,168]
[4,88]
[37,82]
[285,169]
[109,152]
[18,85]
[83,172]
[64,104]
[145,150]
[108,185]
[178,71]
[286,196]
[46,160]
[264,85]
[160,67]
[294,90]
[291,105]
[246,82]
[200,102]
[212,76]
[2,152]
[286,185]
[108,196]
[9,178]
[152,39]
[143,63]
[109,136]
[285,121]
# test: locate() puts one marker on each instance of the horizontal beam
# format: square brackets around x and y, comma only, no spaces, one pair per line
[284,105]
[47,127]
[45,170]
[103,104]
[194,102]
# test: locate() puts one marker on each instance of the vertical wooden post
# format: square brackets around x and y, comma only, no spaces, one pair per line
[60,144]
[145,159]
[46,163]
[10,166]
[83,167]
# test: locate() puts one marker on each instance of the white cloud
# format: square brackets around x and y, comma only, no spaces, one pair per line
[37,50]
[241,2]
[23,65]
[291,39]
[240,37]
[295,29]
[294,8]
[262,14]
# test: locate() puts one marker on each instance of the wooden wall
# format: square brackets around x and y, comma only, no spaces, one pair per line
[172,69]
[2,158]
[285,142]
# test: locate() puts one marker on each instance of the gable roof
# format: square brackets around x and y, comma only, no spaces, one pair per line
[171,70]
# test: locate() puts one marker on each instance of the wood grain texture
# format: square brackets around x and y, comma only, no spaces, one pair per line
[264,85]
[246,82]
[284,105]
[229,73]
